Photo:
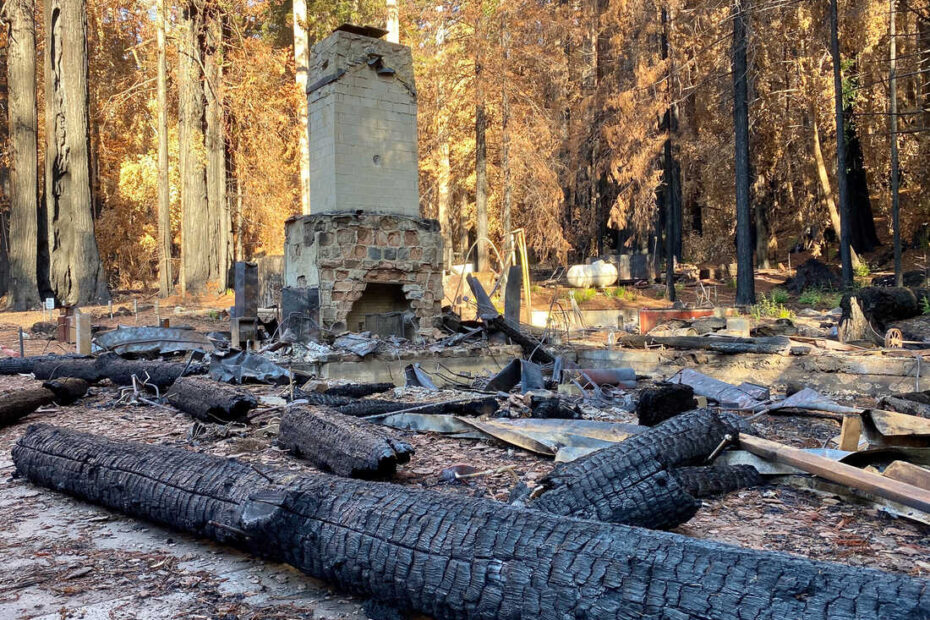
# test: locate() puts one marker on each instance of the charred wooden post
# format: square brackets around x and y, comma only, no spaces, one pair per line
[632,482]
[21,403]
[211,401]
[453,556]
[341,444]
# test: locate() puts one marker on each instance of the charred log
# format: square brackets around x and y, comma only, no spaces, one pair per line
[454,556]
[25,365]
[110,366]
[367,407]
[359,390]
[21,403]
[211,401]
[630,482]
[325,400]
[716,479]
[720,344]
[341,444]
[658,404]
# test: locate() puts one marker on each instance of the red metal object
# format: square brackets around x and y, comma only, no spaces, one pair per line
[650,317]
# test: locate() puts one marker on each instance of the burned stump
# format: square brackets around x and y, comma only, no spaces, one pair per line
[868,312]
[341,444]
[813,274]
[211,401]
[657,404]
[454,556]
[633,482]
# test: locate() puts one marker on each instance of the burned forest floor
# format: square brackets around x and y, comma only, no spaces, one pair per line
[67,559]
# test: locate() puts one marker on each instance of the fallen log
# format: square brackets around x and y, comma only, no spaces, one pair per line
[720,344]
[454,556]
[631,482]
[532,348]
[715,480]
[113,367]
[485,405]
[18,404]
[25,365]
[341,444]
[358,390]
[211,401]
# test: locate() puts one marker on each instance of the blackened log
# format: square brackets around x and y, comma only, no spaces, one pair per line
[326,400]
[18,404]
[367,407]
[211,401]
[658,404]
[454,556]
[770,345]
[341,444]
[25,365]
[358,390]
[111,366]
[629,482]
[716,479]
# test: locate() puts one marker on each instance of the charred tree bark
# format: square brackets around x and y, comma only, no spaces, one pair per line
[455,557]
[195,220]
[19,404]
[481,171]
[745,280]
[631,482]
[341,444]
[716,479]
[165,277]
[211,401]
[359,390]
[662,402]
[118,370]
[841,180]
[23,132]
[76,273]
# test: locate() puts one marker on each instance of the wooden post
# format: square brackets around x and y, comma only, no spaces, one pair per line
[82,332]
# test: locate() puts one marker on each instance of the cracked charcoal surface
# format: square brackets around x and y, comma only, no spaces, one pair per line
[629,483]
[456,557]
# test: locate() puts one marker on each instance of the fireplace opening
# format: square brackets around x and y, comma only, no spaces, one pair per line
[383,309]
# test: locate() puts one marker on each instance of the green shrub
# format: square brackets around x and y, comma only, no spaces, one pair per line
[862,269]
[581,295]
[779,295]
[622,293]
[925,305]
[817,298]
[769,308]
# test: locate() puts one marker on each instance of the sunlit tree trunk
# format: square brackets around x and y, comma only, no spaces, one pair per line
[893,138]
[23,128]
[481,162]
[196,241]
[216,149]
[76,272]
[301,64]
[505,146]
[392,22]
[165,279]
[824,178]
[745,283]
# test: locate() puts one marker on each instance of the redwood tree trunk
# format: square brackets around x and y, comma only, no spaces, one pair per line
[195,221]
[76,273]
[24,179]
[745,284]
[481,160]
[216,149]
[165,279]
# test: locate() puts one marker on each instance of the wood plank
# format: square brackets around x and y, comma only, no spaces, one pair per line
[902,471]
[901,492]
[850,433]
[893,424]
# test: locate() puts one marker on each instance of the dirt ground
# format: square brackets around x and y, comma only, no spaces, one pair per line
[68,559]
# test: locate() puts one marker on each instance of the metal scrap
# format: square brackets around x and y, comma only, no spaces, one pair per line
[157,340]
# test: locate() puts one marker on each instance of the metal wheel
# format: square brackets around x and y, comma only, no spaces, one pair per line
[894,339]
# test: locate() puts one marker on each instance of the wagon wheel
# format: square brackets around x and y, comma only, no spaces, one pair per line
[894,339]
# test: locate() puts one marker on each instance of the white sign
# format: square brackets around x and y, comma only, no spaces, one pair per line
[49,303]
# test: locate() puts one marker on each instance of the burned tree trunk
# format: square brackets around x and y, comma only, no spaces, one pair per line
[341,444]
[19,404]
[633,482]
[75,272]
[24,181]
[456,557]
[359,390]
[215,146]
[211,401]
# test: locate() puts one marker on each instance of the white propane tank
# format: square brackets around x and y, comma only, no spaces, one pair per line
[598,274]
